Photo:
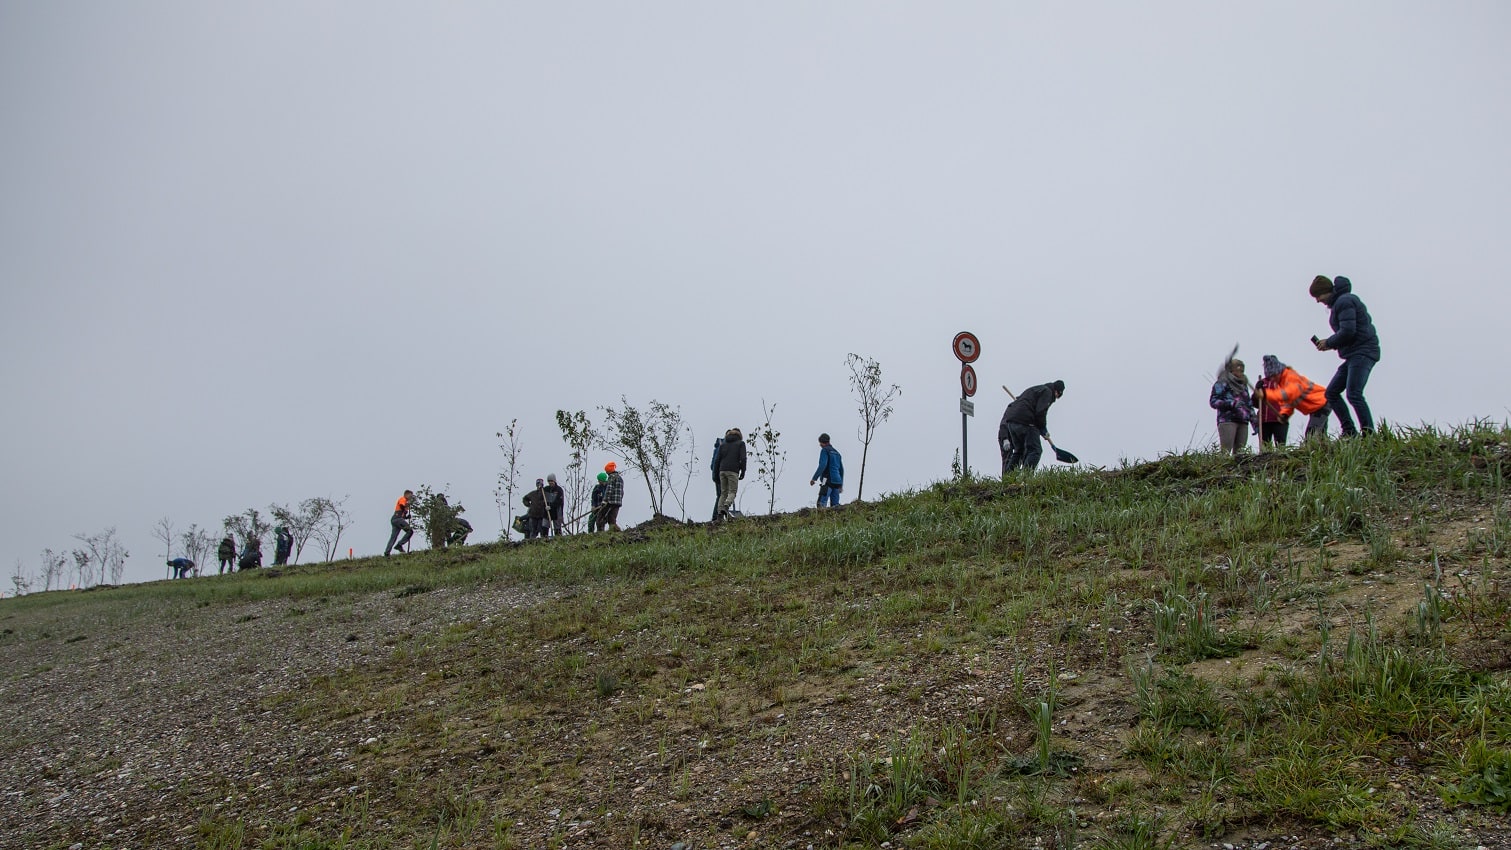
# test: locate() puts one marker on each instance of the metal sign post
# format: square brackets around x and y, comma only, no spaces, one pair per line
[967,348]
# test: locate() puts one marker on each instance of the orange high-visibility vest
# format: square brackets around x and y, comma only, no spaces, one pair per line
[1294,392]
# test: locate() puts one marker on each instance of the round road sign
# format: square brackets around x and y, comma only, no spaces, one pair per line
[967,347]
[968,380]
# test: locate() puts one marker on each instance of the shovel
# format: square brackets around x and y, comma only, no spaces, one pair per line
[1060,454]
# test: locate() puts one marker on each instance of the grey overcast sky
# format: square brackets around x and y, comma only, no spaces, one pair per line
[258,252]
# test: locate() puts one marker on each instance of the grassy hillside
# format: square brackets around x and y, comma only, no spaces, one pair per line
[1302,649]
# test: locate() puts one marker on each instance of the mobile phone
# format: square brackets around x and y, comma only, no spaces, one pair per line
[1315,340]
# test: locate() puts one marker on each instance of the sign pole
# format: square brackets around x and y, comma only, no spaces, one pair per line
[967,349]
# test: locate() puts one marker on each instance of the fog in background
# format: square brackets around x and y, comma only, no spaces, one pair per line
[254,253]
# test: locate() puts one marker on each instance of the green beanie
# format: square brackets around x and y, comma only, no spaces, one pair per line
[602,477]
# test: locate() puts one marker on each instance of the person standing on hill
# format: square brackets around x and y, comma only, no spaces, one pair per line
[556,500]
[251,555]
[1357,344]
[731,471]
[283,545]
[400,523]
[1285,391]
[537,511]
[1232,398]
[613,498]
[1023,423]
[831,472]
[713,465]
[226,552]
[595,501]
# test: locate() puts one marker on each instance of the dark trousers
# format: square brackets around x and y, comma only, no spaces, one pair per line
[537,527]
[227,564]
[1022,449]
[1274,433]
[400,525]
[1347,386]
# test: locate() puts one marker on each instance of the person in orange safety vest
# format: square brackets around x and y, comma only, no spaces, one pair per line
[1288,391]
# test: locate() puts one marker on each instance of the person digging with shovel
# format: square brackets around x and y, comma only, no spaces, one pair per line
[1023,423]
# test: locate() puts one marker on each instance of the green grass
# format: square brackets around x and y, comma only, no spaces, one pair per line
[681,645]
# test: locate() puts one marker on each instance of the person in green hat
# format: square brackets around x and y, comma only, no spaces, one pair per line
[595,500]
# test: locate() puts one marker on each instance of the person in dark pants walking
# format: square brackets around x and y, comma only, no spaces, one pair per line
[400,524]
[713,465]
[1357,344]
[831,472]
[1023,423]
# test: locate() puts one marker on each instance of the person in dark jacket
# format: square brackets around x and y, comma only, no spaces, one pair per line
[460,528]
[1357,344]
[1023,423]
[1233,398]
[595,501]
[537,511]
[713,465]
[731,471]
[226,552]
[831,472]
[556,500]
[283,545]
[251,555]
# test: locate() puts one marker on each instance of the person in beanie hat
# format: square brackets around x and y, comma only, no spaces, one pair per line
[1023,423]
[831,471]
[537,512]
[556,501]
[1273,428]
[1232,399]
[1357,344]
[1284,391]
[595,500]
[613,498]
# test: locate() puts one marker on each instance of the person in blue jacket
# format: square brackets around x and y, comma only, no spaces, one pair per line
[830,475]
[1357,344]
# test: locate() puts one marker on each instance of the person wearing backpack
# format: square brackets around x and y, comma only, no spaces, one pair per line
[226,552]
[831,472]
[1357,344]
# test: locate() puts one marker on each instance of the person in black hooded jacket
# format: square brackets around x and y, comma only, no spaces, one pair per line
[1357,343]
[731,471]
[1023,423]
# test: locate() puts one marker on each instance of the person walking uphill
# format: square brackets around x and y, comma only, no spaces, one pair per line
[731,471]
[1232,398]
[613,498]
[831,471]
[226,552]
[400,523]
[1285,391]
[1023,423]
[1357,344]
